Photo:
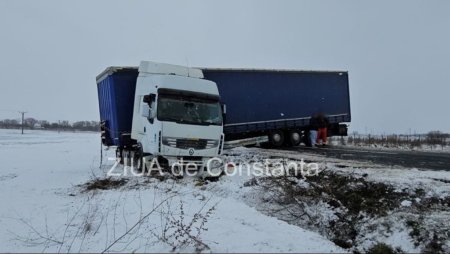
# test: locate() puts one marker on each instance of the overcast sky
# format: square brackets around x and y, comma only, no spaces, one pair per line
[397,52]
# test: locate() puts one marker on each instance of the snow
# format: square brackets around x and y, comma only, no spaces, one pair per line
[406,203]
[45,209]
[433,182]
[378,147]
[397,238]
[388,229]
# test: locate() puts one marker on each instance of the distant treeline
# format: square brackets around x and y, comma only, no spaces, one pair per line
[31,123]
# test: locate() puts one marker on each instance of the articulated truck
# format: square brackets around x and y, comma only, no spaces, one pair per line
[178,114]
[164,112]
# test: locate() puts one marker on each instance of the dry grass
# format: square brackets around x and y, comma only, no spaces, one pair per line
[103,184]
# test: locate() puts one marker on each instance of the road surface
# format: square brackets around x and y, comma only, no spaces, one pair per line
[409,159]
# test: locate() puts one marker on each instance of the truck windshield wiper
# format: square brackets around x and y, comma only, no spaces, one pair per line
[181,121]
[209,122]
[184,121]
[172,119]
[194,122]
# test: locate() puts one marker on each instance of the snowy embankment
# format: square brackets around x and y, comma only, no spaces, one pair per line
[48,206]
[356,204]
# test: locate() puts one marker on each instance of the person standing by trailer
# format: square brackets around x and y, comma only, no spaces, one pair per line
[313,127]
[322,124]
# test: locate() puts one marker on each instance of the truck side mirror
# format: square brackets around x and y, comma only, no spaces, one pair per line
[152,113]
[224,113]
[149,99]
[145,110]
[148,109]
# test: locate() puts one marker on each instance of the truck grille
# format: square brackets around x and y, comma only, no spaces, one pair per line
[185,143]
[191,143]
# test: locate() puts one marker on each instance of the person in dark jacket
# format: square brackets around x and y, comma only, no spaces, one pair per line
[322,124]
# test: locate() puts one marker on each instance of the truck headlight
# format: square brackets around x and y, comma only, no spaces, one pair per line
[169,141]
[211,143]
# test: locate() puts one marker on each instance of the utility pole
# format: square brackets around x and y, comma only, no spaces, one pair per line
[23,115]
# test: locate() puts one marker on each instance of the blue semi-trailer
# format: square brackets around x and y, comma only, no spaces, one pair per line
[280,103]
[256,102]
[116,89]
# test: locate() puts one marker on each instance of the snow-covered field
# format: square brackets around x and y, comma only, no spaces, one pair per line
[337,141]
[44,209]
[47,207]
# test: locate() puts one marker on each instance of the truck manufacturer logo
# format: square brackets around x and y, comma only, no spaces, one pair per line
[191,151]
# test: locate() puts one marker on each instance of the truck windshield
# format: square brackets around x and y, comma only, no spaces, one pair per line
[189,110]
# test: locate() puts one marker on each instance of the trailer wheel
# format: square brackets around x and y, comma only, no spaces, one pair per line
[126,157]
[295,138]
[137,159]
[276,138]
[119,155]
[306,139]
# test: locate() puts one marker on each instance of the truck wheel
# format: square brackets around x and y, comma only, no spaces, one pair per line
[295,138]
[276,138]
[119,155]
[137,159]
[126,157]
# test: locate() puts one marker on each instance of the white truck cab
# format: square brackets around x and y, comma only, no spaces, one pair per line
[177,116]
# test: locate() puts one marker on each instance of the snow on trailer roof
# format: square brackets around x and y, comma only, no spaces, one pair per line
[269,70]
[110,70]
[154,68]
[171,69]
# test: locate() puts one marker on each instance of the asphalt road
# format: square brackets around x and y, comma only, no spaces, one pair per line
[408,159]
